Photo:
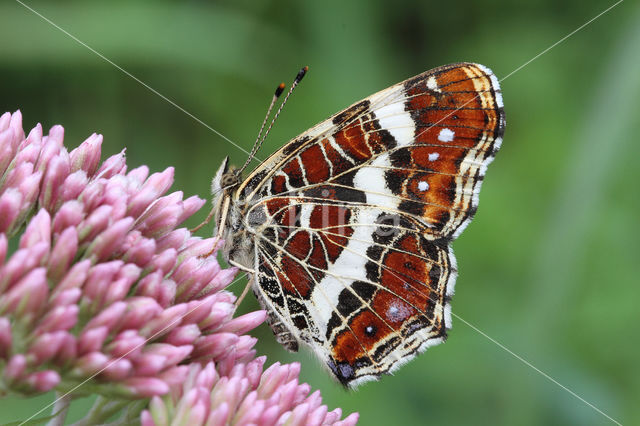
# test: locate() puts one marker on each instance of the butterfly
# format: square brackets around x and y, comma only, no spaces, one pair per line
[346,230]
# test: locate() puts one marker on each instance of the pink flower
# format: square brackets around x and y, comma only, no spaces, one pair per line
[106,292]
[247,395]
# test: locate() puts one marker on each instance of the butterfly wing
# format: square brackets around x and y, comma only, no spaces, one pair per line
[353,219]
[367,290]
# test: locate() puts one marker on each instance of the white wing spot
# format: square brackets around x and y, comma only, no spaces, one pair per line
[423,186]
[446,135]
[397,312]
[432,84]
[369,329]
[433,156]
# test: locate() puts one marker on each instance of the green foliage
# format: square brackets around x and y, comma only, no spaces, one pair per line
[549,267]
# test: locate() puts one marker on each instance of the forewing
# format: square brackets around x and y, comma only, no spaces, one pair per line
[420,147]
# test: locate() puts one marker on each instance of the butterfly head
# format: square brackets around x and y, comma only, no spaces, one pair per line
[225,179]
[223,183]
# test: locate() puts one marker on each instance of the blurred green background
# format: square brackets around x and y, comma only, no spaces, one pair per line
[549,267]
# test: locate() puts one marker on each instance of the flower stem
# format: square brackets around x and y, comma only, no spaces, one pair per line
[60,409]
[101,411]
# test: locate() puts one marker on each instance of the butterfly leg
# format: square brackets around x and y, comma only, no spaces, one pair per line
[244,293]
[216,241]
[218,237]
[206,221]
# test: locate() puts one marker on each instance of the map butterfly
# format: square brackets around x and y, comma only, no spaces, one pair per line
[346,231]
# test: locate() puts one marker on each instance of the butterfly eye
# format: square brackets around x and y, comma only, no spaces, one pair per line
[228,180]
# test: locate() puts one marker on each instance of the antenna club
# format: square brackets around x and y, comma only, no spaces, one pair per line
[301,73]
[261,137]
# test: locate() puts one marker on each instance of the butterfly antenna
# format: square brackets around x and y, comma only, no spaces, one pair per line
[257,143]
[279,90]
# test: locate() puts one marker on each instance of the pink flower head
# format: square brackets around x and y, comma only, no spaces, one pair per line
[99,283]
[247,395]
[104,286]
